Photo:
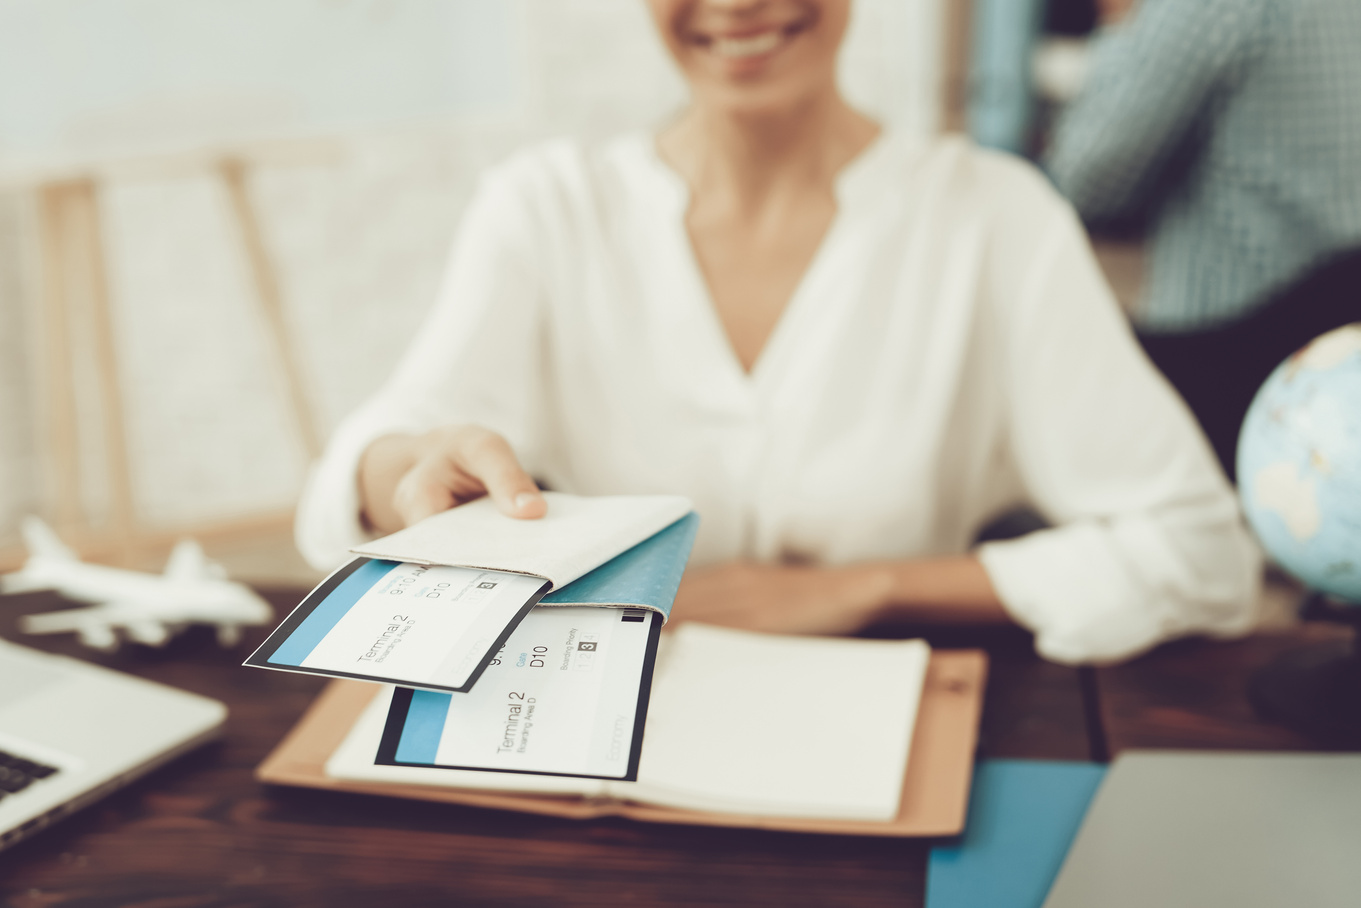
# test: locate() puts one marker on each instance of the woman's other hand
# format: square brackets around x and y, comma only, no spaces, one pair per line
[405,478]
[788,599]
[804,599]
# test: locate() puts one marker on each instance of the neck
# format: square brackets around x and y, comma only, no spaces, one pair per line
[751,157]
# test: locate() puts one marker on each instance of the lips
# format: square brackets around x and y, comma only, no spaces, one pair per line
[750,44]
[747,46]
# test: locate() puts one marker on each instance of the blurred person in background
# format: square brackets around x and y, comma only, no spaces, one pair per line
[850,348]
[1230,131]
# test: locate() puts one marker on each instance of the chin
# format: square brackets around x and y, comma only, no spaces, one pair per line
[767,100]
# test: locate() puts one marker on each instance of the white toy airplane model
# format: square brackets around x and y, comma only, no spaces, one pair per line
[149,608]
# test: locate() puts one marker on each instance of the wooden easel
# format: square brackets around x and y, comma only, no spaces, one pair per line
[76,319]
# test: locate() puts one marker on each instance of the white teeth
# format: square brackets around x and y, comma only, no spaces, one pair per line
[755,45]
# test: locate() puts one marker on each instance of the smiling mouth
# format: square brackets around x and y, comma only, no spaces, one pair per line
[745,47]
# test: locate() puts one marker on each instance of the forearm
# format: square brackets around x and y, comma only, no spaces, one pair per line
[952,589]
[384,463]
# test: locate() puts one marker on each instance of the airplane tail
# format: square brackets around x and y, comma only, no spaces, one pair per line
[45,549]
[43,542]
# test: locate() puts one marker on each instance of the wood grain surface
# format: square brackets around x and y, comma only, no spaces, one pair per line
[203,832]
[1193,693]
[1033,709]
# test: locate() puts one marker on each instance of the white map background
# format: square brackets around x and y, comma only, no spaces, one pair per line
[395,106]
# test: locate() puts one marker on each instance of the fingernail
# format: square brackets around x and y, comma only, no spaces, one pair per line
[524,500]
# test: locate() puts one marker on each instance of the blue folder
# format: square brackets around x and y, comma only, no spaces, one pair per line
[1023,815]
[646,576]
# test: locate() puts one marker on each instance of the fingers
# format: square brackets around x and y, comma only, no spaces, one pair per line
[421,492]
[460,464]
[488,458]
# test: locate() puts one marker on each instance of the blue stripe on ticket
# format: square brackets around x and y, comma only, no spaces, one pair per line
[424,726]
[329,611]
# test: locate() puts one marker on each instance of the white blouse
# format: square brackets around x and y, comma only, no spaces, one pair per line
[951,352]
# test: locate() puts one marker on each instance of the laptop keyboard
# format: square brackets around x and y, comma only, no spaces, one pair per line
[16,773]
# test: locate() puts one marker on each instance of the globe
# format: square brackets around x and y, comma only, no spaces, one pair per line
[1299,465]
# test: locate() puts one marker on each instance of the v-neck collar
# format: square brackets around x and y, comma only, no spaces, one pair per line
[855,185]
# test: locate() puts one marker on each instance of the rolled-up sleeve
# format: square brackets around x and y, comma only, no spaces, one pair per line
[476,359]
[1148,542]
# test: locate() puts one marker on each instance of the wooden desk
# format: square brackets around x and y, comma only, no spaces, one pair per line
[203,832]
[1193,694]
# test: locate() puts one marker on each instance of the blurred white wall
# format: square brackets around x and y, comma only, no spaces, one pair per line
[99,79]
[368,121]
[18,449]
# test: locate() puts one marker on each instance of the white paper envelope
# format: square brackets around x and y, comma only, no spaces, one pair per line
[577,535]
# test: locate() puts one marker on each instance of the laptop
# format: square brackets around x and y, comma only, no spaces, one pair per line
[71,732]
[1204,830]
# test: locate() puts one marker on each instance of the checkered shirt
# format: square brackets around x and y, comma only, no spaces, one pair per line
[1234,128]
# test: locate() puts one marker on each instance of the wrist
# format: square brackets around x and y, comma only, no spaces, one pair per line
[953,588]
[874,587]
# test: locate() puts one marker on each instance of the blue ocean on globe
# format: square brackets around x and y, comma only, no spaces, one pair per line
[1299,464]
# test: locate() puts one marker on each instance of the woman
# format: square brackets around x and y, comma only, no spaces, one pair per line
[849,348]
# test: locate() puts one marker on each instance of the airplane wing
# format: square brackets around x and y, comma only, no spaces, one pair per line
[144,622]
[187,562]
[97,625]
[66,620]
[43,542]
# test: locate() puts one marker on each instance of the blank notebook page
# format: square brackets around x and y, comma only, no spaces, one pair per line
[782,726]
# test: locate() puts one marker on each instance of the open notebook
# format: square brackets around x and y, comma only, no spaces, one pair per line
[935,786]
[742,723]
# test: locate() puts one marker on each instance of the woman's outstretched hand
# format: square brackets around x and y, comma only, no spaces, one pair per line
[406,478]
